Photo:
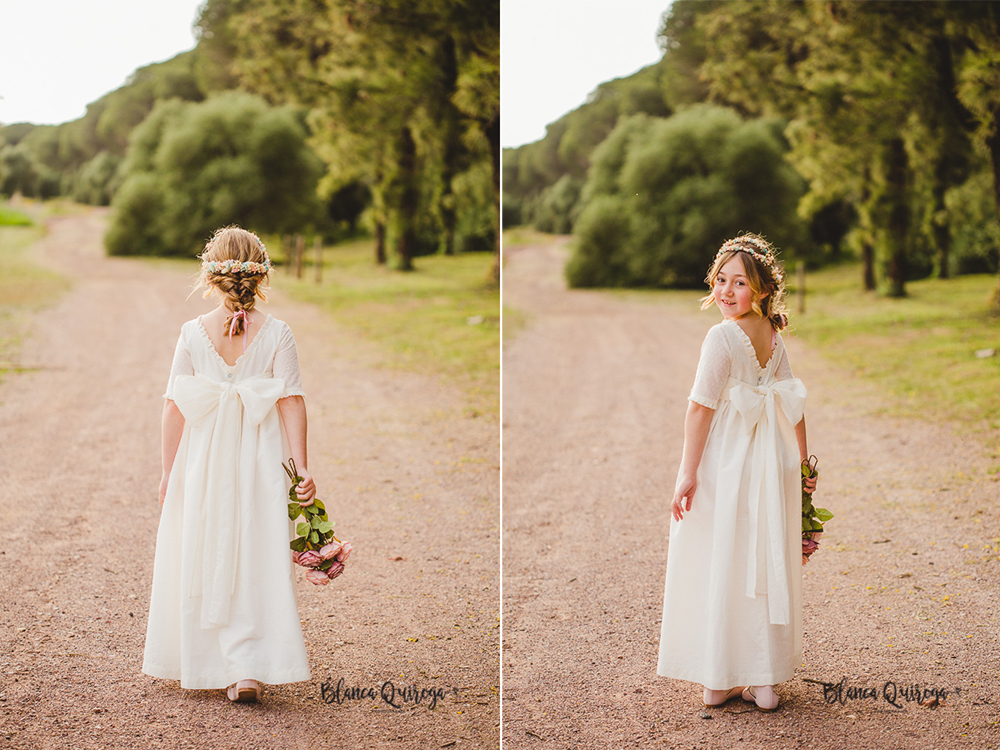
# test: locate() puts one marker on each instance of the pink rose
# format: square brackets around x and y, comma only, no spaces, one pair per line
[330,550]
[345,552]
[307,559]
[317,577]
[809,546]
[335,570]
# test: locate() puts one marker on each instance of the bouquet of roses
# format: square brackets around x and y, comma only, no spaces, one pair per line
[813,518]
[316,547]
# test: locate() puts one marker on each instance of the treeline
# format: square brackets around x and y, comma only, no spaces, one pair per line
[292,119]
[834,128]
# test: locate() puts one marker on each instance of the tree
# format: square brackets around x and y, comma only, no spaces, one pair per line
[869,89]
[665,193]
[403,95]
[192,168]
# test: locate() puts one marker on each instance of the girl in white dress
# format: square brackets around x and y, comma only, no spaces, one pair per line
[223,611]
[732,611]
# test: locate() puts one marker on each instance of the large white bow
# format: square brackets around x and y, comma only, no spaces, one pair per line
[236,406]
[758,407]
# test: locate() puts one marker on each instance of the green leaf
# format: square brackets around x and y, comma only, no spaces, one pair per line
[294,511]
[315,521]
[313,537]
[817,526]
[298,545]
[823,514]
[325,526]
[302,529]
[806,524]
[320,505]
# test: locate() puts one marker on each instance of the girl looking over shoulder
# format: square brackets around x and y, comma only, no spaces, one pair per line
[732,612]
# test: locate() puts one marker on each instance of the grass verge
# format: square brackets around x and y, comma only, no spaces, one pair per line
[444,317]
[921,350]
[24,287]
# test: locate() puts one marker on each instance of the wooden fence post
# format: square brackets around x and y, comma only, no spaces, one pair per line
[318,247]
[800,283]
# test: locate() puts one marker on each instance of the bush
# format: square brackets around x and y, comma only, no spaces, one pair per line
[664,194]
[193,167]
[975,233]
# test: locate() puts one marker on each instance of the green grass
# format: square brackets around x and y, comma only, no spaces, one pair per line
[11,218]
[24,287]
[921,350]
[444,317]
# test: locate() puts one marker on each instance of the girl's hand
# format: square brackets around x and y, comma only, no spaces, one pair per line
[685,489]
[163,488]
[306,489]
[809,483]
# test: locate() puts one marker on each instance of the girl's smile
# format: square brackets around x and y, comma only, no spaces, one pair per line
[732,292]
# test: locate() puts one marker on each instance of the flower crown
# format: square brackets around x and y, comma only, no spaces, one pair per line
[755,247]
[232,266]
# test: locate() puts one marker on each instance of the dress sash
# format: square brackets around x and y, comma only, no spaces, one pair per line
[758,407]
[234,408]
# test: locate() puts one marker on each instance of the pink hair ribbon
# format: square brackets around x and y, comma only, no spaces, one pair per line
[247,320]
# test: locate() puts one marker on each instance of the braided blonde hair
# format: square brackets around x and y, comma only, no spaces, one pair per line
[238,289]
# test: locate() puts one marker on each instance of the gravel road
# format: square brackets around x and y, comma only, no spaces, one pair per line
[408,477]
[901,594]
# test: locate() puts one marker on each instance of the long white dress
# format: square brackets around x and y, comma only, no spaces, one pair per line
[732,605]
[223,605]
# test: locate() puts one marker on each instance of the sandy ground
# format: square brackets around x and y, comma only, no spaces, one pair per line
[409,478]
[902,593]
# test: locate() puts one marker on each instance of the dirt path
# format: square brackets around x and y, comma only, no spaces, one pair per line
[410,480]
[903,590]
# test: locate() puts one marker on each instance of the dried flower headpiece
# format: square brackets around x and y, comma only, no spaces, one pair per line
[756,247]
[232,266]
[235,266]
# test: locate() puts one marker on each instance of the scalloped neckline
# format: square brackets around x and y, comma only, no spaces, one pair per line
[208,341]
[748,344]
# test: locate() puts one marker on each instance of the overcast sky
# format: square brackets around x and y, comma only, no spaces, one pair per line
[555,52]
[56,56]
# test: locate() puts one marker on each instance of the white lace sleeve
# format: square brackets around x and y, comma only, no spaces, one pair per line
[182,365]
[713,369]
[286,364]
[784,370]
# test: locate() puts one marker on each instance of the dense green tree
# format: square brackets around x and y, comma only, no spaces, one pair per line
[404,96]
[686,183]
[870,90]
[192,167]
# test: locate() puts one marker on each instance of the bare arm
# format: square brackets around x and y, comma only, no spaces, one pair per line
[171,429]
[696,426]
[293,415]
[800,435]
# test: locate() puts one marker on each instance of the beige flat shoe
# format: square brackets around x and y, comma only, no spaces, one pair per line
[244,691]
[766,700]
[722,695]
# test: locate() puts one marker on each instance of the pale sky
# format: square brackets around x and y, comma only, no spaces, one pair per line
[555,52]
[57,56]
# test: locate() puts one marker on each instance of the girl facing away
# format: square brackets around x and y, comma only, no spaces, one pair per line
[732,610]
[223,612]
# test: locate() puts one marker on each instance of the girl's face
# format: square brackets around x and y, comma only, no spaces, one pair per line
[732,292]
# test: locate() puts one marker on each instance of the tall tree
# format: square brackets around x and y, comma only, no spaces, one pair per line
[403,95]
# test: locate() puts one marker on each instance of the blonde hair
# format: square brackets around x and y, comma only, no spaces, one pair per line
[238,290]
[763,272]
